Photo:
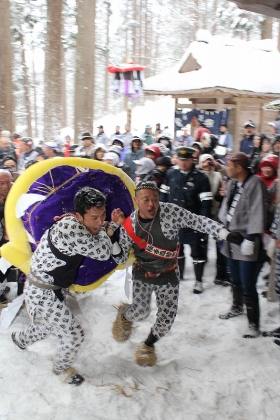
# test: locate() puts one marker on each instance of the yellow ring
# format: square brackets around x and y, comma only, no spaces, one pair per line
[18,251]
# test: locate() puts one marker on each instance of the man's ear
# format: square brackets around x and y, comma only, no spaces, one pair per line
[79,217]
[135,200]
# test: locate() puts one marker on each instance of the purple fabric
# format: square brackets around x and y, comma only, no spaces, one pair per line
[60,186]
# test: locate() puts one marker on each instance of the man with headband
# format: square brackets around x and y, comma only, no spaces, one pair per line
[152,232]
[54,266]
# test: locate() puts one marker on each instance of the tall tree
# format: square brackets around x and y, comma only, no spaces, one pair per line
[266,28]
[53,71]
[6,88]
[85,58]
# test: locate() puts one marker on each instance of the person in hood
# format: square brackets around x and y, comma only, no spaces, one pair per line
[118,141]
[268,169]
[144,169]
[148,136]
[207,166]
[163,164]
[275,126]
[99,152]
[199,150]
[135,152]
[116,159]
[275,144]
[166,141]
[209,142]
[246,143]
[256,153]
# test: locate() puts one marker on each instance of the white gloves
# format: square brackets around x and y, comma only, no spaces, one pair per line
[247,247]
[271,248]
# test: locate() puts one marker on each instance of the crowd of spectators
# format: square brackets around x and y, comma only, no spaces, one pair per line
[199,172]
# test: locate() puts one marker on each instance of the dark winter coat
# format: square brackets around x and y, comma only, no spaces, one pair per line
[246,144]
[191,191]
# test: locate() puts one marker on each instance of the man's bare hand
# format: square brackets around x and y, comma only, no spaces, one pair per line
[117,216]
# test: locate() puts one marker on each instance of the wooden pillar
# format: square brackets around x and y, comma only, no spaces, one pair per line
[220,103]
[236,139]
[261,125]
[128,105]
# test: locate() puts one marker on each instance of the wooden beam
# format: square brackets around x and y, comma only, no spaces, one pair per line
[205,106]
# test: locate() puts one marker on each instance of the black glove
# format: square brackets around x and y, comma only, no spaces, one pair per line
[235,238]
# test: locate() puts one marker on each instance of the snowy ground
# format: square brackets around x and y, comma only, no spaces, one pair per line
[205,369]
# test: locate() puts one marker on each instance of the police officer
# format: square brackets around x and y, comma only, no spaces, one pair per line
[189,188]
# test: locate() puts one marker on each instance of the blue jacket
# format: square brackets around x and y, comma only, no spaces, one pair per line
[132,155]
[246,144]
[228,140]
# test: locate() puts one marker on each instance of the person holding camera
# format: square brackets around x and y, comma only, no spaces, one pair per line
[208,164]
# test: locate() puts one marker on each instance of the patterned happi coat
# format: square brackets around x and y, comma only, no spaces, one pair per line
[249,216]
[172,218]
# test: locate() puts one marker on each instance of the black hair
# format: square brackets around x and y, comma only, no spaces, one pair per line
[9,158]
[30,163]
[87,198]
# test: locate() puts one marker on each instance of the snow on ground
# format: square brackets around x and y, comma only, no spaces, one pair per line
[205,369]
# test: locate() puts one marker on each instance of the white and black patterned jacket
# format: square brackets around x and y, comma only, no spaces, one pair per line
[172,219]
[70,237]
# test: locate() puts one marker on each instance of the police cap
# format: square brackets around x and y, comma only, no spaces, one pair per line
[185,152]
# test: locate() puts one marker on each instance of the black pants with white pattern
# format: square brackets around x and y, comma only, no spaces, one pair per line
[166,301]
[49,315]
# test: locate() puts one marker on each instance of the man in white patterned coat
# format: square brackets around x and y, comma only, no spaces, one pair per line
[152,232]
[54,267]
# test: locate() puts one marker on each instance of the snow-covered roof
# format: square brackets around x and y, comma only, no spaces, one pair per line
[221,62]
